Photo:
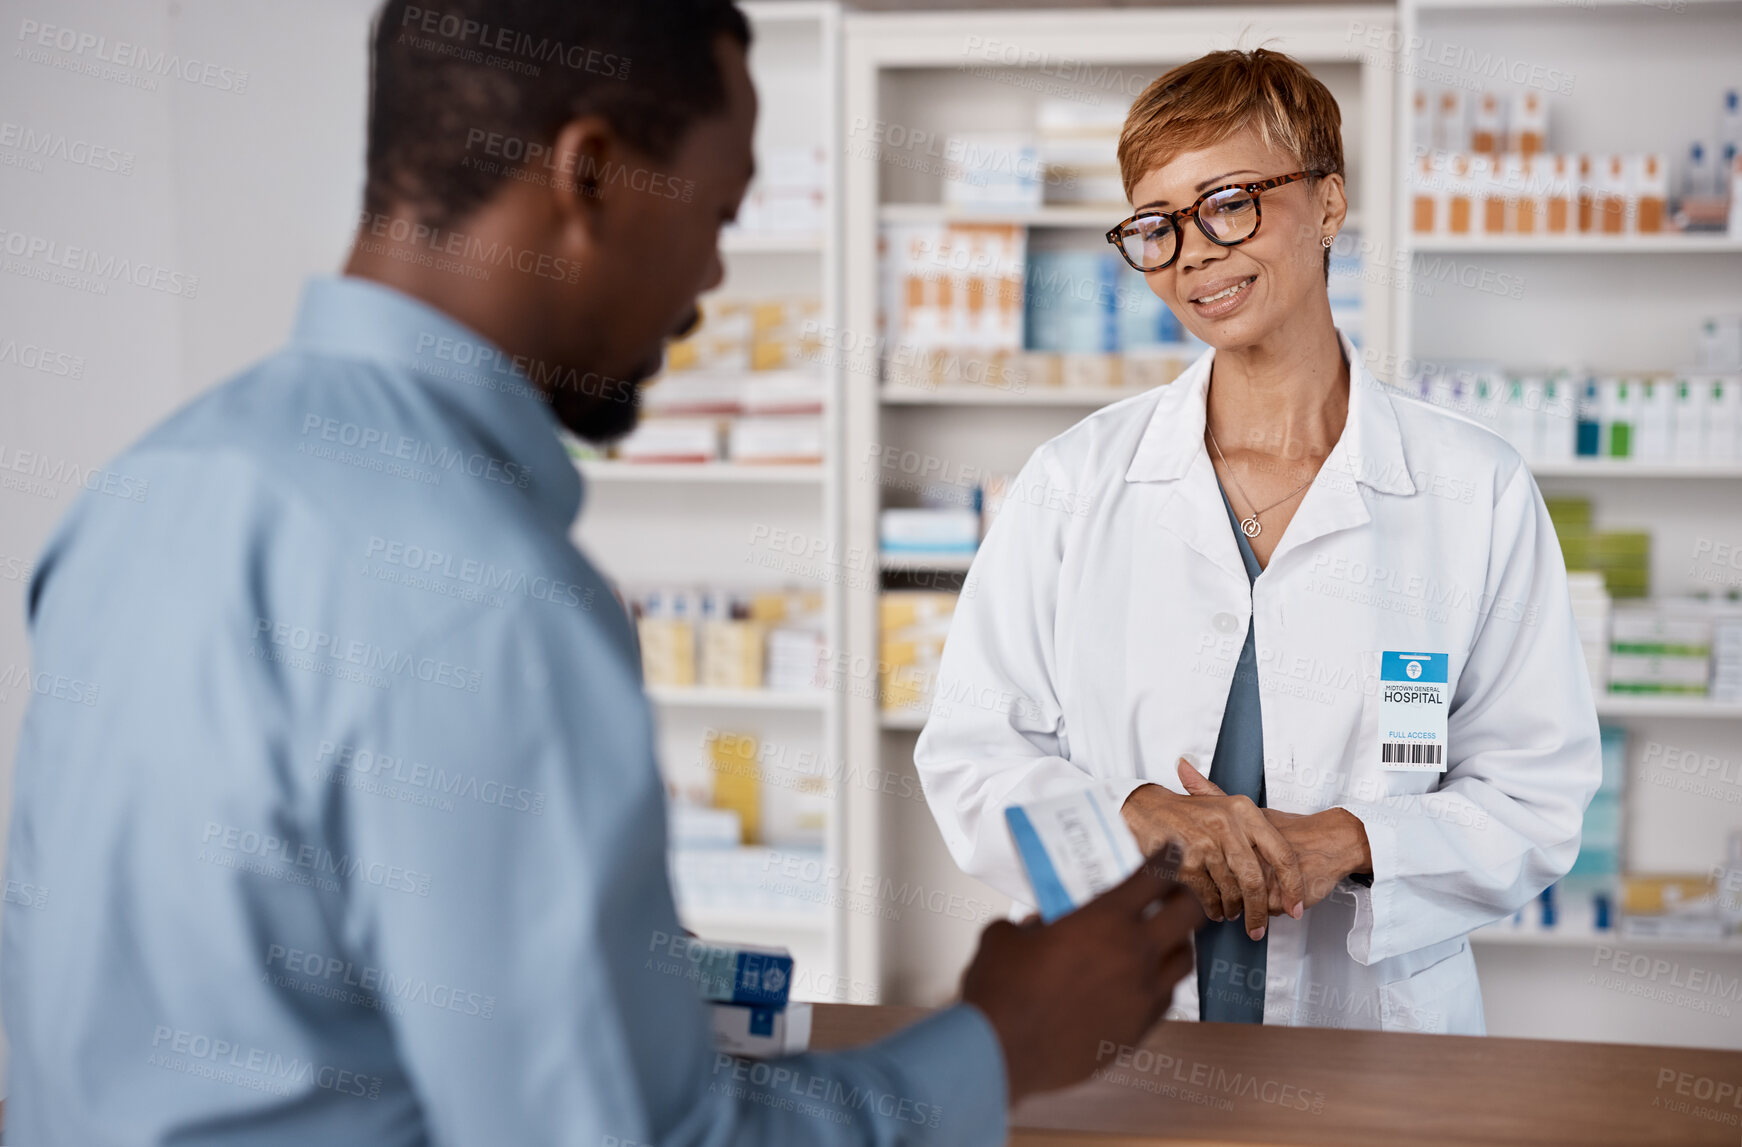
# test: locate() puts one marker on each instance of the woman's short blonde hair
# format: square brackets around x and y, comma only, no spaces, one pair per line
[1215,96]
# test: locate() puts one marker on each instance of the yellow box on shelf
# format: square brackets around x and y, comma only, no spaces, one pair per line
[737,776]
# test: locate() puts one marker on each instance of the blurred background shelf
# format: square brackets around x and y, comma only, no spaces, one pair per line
[1631,468]
[771,242]
[1666,244]
[1578,938]
[909,719]
[950,563]
[704,697]
[991,396]
[610,471]
[1631,705]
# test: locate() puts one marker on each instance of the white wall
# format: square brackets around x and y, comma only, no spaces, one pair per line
[249,185]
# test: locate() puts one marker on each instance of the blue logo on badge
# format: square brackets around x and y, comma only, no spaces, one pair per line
[1425,667]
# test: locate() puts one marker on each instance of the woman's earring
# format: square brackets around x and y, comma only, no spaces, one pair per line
[1327,241]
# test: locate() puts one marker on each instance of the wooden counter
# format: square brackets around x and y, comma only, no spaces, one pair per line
[1217,1085]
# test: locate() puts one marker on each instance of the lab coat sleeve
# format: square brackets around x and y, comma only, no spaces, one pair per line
[552,1001]
[996,735]
[1524,757]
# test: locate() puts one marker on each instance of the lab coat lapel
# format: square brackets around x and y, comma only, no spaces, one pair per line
[1172,452]
[1368,453]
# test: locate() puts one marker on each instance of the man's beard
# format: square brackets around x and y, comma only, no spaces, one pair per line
[609,408]
[603,416]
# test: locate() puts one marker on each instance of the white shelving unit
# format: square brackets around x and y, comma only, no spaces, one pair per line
[915,71]
[711,698]
[609,471]
[688,524]
[1644,79]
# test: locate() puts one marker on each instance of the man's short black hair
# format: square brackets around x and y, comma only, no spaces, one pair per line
[460,88]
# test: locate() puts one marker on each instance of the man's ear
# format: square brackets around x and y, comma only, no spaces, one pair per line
[583,155]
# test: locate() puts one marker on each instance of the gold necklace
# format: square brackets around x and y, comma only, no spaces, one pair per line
[1249,524]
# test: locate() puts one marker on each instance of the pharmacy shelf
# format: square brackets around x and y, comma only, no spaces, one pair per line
[715,923]
[1102,217]
[1629,468]
[1668,244]
[1563,5]
[1583,938]
[910,719]
[1088,397]
[702,697]
[945,563]
[771,242]
[1098,217]
[770,475]
[1634,705]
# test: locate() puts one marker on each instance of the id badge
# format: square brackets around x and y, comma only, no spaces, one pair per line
[1414,697]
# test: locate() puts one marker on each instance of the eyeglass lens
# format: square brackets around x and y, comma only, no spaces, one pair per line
[1228,216]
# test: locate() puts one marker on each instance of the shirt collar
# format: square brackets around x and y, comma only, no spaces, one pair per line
[361,319]
[1370,449]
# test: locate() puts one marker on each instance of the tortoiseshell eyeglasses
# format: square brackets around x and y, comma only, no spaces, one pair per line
[1228,216]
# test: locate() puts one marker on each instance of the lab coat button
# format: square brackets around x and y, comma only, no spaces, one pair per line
[1225,622]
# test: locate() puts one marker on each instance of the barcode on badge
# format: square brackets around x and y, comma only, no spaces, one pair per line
[1410,753]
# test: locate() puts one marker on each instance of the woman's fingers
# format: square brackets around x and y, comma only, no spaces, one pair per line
[1226,884]
[1196,783]
[1254,898]
[1283,861]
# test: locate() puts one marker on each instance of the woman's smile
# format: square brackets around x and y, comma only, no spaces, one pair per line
[1222,296]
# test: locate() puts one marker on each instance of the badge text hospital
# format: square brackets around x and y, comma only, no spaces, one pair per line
[1414,696]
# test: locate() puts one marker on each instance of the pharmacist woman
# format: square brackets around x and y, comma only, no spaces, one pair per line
[1315,631]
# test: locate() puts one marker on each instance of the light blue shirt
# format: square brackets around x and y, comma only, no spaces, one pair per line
[346,827]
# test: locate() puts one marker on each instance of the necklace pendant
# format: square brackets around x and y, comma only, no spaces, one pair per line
[1250,527]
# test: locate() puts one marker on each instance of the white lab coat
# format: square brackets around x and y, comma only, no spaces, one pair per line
[1098,632]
